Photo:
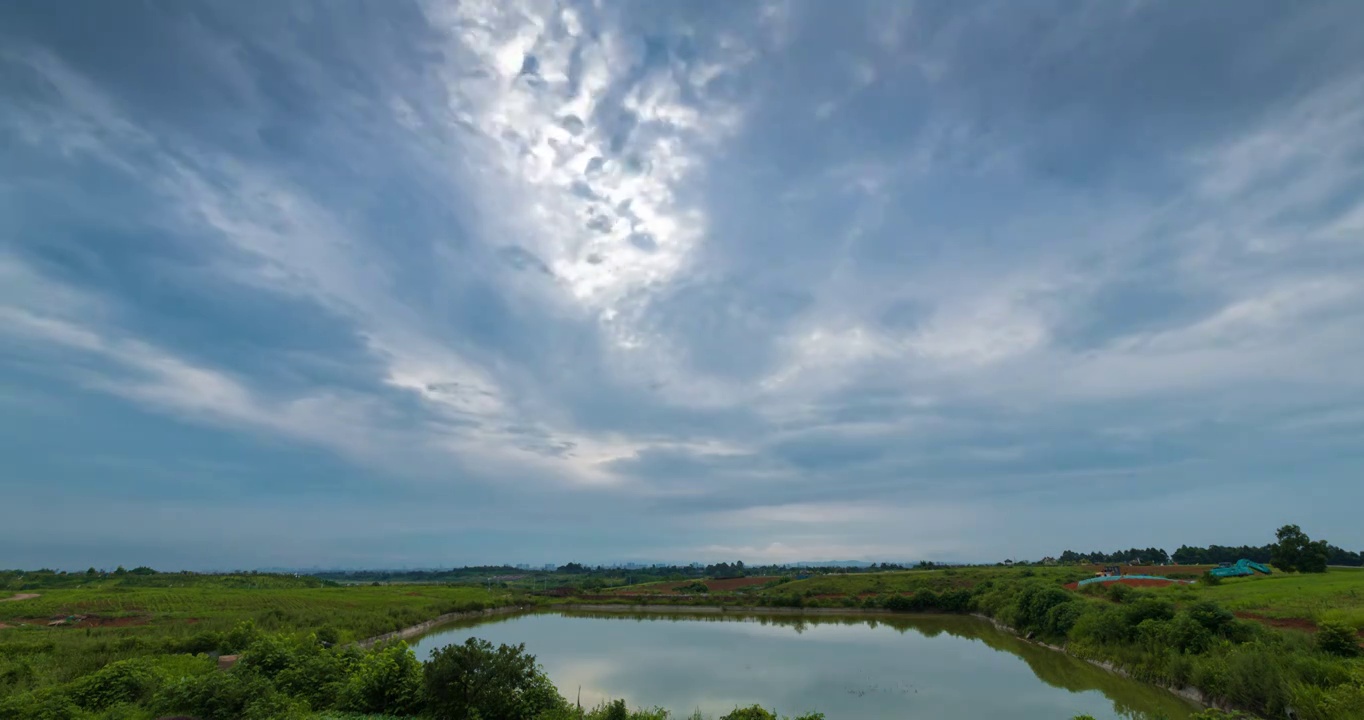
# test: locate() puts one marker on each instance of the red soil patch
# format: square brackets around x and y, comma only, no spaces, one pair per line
[20,596]
[1299,624]
[1286,623]
[736,583]
[1163,570]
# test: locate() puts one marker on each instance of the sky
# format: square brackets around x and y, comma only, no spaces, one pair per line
[401,283]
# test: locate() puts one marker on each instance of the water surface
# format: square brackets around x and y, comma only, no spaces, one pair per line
[935,667]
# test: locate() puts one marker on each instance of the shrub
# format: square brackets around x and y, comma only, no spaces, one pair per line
[1061,618]
[1034,604]
[1147,609]
[1337,639]
[126,681]
[756,712]
[1211,616]
[214,696]
[240,637]
[955,600]
[319,676]
[1106,626]
[1186,634]
[386,681]
[1117,592]
[276,706]
[475,680]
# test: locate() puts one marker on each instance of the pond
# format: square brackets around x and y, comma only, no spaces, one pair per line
[919,667]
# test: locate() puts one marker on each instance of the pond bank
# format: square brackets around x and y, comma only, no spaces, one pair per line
[423,627]
[1192,694]
[1188,692]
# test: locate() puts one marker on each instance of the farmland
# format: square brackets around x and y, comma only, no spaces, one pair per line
[1335,596]
[216,603]
[105,619]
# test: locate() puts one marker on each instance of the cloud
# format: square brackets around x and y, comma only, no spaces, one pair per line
[786,281]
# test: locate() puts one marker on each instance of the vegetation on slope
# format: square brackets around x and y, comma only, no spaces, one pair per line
[288,676]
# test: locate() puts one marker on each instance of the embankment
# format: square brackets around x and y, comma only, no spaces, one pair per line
[1188,692]
[423,627]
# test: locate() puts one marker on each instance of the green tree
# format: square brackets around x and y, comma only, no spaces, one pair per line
[1296,551]
[474,680]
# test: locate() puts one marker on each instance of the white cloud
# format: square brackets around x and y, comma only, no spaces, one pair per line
[599,204]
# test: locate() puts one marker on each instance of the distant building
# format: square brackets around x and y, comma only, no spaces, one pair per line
[550,567]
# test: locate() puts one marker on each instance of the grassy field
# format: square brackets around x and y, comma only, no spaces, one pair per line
[169,618]
[913,580]
[1335,596]
[355,612]
[123,621]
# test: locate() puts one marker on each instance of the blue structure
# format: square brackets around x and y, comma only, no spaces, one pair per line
[1111,578]
[1242,568]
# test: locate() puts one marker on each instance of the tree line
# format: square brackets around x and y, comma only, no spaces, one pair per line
[1147,556]
[1294,548]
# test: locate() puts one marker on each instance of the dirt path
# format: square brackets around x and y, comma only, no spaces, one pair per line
[20,596]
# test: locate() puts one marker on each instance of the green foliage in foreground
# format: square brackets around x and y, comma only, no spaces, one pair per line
[282,677]
[1191,643]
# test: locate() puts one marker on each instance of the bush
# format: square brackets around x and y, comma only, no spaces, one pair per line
[1035,603]
[1106,626]
[1117,592]
[215,696]
[276,706]
[126,681]
[757,712]
[1337,639]
[1211,616]
[955,601]
[386,681]
[1061,618]
[475,680]
[1147,609]
[1185,634]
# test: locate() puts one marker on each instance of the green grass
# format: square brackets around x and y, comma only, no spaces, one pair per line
[908,581]
[356,612]
[1334,596]
[194,613]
